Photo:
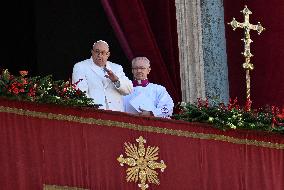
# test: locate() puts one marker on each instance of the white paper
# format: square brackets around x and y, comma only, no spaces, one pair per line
[143,102]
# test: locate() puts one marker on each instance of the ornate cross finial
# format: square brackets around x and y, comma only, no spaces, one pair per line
[247,26]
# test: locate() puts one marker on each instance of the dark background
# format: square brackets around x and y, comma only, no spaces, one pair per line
[49,37]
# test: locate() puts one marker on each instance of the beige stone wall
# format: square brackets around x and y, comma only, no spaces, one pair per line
[188,14]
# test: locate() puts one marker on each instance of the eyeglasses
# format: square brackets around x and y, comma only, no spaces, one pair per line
[137,68]
[97,52]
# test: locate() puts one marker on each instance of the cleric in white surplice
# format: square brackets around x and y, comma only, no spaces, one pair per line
[103,81]
[147,98]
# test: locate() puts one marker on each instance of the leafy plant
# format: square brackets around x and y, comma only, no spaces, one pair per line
[42,90]
[233,116]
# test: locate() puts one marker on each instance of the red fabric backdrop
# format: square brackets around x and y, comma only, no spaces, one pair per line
[267,79]
[148,28]
[67,149]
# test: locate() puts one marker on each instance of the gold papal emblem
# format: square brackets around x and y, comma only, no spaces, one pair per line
[142,163]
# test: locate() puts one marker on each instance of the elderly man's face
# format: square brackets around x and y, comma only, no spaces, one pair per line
[140,69]
[100,53]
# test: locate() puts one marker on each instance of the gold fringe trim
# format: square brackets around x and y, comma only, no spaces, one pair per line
[143,128]
[56,187]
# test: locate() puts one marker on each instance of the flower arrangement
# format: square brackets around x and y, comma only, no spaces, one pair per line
[41,90]
[233,116]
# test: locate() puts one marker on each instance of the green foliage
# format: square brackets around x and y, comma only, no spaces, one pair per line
[233,116]
[42,90]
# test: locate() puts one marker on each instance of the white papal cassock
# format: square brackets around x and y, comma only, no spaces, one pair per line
[101,89]
[153,97]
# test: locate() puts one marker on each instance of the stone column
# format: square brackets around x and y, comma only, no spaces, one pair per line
[202,50]
[188,14]
[214,51]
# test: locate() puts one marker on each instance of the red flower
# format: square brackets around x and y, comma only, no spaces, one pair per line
[202,103]
[15,90]
[23,73]
[281,116]
[31,92]
[76,83]
[274,122]
[233,104]
[248,105]
[24,81]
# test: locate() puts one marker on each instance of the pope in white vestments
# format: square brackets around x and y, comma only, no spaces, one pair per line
[147,98]
[103,81]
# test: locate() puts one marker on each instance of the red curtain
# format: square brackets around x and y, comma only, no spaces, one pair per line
[20,153]
[148,28]
[267,79]
[44,144]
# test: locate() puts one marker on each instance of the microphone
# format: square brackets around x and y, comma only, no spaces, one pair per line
[105,69]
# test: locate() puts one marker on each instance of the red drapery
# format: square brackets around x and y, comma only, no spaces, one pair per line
[78,148]
[148,28]
[267,78]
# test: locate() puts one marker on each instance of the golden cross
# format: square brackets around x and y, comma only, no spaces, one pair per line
[142,162]
[247,26]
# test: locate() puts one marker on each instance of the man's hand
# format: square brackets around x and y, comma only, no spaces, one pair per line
[145,113]
[110,75]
